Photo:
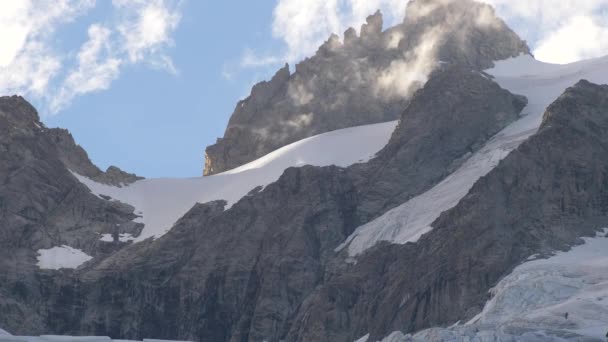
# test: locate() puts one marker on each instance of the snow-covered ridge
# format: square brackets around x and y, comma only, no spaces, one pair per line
[161,202]
[562,298]
[542,84]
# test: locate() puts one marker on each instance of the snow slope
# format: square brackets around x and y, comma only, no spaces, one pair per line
[542,84]
[61,257]
[161,202]
[562,298]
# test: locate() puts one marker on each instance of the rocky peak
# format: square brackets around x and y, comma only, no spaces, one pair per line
[350,36]
[76,159]
[16,112]
[373,26]
[358,82]
[465,32]
[577,108]
[331,46]
[19,117]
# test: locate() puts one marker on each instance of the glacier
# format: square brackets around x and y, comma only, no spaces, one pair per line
[561,298]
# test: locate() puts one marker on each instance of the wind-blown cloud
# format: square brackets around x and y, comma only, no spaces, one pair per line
[550,26]
[135,31]
[561,31]
[95,71]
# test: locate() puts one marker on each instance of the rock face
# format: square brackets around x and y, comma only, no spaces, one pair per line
[247,272]
[42,205]
[365,80]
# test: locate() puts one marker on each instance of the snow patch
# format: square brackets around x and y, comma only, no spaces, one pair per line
[542,84]
[125,237]
[61,257]
[161,202]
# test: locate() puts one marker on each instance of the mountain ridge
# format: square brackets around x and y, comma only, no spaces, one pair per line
[265,264]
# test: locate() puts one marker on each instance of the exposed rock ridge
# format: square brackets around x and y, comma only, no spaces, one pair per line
[77,160]
[363,80]
[448,120]
[20,116]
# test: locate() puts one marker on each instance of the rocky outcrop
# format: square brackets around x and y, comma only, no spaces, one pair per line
[365,80]
[42,205]
[447,121]
[541,198]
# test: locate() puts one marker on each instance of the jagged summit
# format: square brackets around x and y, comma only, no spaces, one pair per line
[19,117]
[365,79]
[15,111]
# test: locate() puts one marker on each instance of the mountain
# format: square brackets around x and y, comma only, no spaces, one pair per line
[355,82]
[475,211]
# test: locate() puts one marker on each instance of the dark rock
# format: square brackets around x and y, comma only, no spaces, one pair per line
[448,120]
[373,26]
[77,160]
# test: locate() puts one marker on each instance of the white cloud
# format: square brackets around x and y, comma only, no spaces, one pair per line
[580,38]
[250,59]
[96,69]
[559,31]
[304,25]
[147,27]
[27,61]
[135,31]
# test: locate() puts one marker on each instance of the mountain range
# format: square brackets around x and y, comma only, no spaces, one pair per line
[427,182]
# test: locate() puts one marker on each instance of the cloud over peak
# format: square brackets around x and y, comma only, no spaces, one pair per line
[558,31]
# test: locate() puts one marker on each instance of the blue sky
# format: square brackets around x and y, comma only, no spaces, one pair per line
[147,85]
[156,123]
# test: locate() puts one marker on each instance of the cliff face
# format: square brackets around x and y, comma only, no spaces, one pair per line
[363,80]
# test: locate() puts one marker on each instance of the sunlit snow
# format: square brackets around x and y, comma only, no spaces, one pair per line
[161,202]
[61,257]
[542,84]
